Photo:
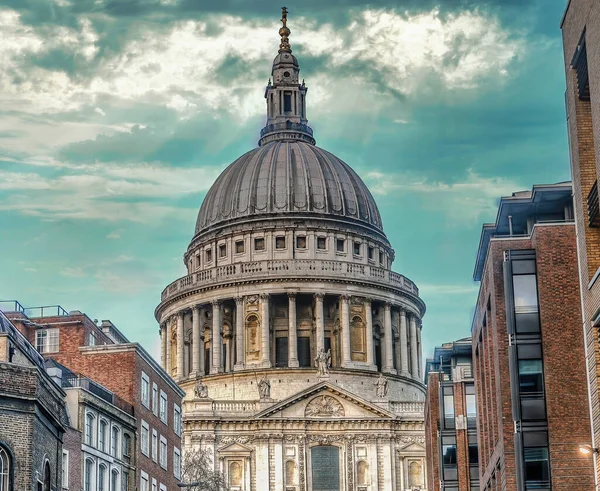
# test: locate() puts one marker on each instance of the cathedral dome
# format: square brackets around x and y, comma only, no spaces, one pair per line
[289,177]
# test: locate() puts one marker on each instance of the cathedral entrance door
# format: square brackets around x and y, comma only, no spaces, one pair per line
[325,465]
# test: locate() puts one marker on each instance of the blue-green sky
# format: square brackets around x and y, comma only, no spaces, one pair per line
[117,115]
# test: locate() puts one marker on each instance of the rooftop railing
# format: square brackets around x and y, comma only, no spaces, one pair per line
[98,390]
[46,311]
[288,268]
[11,306]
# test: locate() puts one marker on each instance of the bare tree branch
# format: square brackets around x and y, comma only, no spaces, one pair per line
[197,467]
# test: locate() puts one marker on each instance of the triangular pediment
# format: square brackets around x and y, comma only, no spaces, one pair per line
[234,448]
[325,401]
[412,448]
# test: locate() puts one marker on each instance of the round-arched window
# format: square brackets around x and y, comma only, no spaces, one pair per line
[4,470]
[47,477]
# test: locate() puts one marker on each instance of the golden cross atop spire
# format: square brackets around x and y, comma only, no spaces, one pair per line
[284,32]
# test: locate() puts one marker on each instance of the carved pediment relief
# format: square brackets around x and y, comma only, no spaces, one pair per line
[324,407]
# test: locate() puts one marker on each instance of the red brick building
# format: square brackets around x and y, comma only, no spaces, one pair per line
[451,419]
[581,41]
[528,347]
[101,353]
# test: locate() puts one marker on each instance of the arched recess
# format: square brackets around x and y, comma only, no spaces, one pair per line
[358,339]
[415,474]
[6,468]
[291,476]
[47,476]
[252,326]
[235,473]
[361,473]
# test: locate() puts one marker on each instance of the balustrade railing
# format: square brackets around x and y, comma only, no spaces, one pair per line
[293,268]
[408,407]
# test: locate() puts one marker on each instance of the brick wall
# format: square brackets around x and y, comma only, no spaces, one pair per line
[584,132]
[432,418]
[563,356]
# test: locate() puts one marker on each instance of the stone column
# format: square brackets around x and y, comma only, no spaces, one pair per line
[396,322]
[419,350]
[388,365]
[195,340]
[320,322]
[201,343]
[163,346]
[403,345]
[169,338]
[292,332]
[239,334]
[265,341]
[345,324]
[180,345]
[217,366]
[414,356]
[369,321]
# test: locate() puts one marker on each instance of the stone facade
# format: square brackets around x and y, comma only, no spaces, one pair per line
[581,41]
[33,417]
[295,343]
[528,348]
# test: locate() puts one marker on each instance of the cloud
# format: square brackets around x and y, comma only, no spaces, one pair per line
[465,199]
[77,272]
[114,235]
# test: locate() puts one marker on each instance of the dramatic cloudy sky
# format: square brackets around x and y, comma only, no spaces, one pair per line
[117,115]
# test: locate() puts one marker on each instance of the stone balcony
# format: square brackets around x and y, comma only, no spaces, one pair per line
[278,269]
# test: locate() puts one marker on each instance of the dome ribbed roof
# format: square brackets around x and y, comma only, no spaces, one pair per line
[288,177]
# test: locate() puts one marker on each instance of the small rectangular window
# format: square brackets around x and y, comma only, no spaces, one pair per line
[371,253]
[356,249]
[259,244]
[163,407]
[154,445]
[208,254]
[473,455]
[92,339]
[155,398]
[145,390]
[223,250]
[176,463]
[339,245]
[46,340]
[163,452]
[380,257]
[177,419]
[449,454]
[198,262]
[301,242]
[239,247]
[145,439]
[279,242]
[321,243]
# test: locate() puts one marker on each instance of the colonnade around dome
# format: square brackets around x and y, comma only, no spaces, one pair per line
[288,330]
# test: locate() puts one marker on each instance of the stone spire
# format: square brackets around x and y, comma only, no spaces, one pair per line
[286,97]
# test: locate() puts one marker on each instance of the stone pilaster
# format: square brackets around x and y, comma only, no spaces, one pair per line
[320,321]
[369,321]
[195,340]
[217,365]
[388,365]
[404,366]
[180,345]
[414,355]
[292,332]
[163,345]
[240,362]
[169,346]
[345,324]
[266,334]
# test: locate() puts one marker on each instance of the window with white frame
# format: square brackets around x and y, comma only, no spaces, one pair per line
[114,480]
[163,407]
[154,445]
[176,462]
[114,442]
[92,341]
[65,470]
[163,487]
[102,435]
[163,452]
[125,480]
[5,469]
[46,340]
[154,488]
[177,419]
[145,390]
[102,471]
[90,429]
[155,398]
[145,438]
[88,475]
[144,482]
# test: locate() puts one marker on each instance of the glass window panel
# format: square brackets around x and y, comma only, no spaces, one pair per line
[449,407]
[473,455]
[471,406]
[449,454]
[527,322]
[535,438]
[536,464]
[533,409]
[531,378]
[525,293]
[523,267]
[529,351]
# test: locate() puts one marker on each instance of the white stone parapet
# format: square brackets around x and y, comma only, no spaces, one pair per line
[283,268]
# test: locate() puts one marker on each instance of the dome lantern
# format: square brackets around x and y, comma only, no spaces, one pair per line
[286,97]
